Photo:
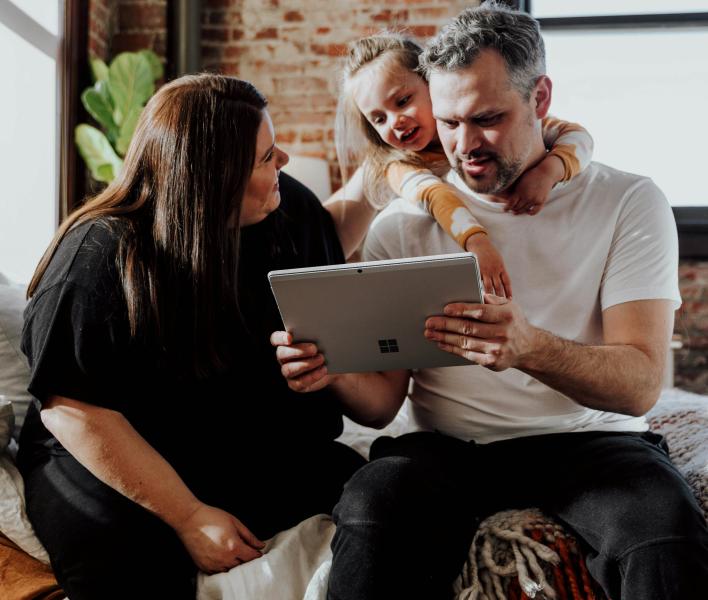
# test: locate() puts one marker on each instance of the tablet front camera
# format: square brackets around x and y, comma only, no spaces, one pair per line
[360,270]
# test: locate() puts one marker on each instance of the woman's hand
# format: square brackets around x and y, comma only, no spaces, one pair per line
[301,364]
[216,540]
[495,277]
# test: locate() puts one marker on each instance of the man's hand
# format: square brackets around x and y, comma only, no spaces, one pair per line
[495,335]
[301,364]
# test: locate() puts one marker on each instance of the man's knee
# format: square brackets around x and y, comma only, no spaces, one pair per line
[379,492]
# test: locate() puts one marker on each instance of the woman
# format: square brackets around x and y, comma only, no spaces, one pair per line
[166,439]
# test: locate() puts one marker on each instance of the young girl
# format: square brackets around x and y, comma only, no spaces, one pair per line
[385,118]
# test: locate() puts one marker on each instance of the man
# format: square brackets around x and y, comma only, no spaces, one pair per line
[553,417]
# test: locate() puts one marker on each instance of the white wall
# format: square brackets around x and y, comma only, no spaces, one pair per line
[28,143]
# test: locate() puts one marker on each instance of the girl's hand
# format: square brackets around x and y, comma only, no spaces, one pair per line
[491,265]
[531,190]
[301,364]
[216,540]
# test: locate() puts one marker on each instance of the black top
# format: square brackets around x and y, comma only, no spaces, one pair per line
[77,340]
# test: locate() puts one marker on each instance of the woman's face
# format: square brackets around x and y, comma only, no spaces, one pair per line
[262,194]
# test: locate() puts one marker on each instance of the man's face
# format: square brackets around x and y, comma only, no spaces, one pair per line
[490,134]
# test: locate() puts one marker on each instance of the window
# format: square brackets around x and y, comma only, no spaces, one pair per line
[634,73]
[29,122]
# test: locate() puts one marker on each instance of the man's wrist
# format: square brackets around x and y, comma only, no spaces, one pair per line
[536,342]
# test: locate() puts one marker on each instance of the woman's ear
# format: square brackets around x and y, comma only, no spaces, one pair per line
[541,96]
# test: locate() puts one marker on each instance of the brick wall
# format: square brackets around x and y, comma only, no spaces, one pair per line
[102,17]
[692,326]
[290,50]
[117,26]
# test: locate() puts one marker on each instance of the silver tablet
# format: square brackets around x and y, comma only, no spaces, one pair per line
[370,316]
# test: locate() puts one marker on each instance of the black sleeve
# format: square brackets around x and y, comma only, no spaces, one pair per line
[309,225]
[76,333]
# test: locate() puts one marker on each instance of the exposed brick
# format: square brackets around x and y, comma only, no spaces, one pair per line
[390,16]
[329,49]
[129,42]
[218,3]
[287,136]
[422,31]
[299,85]
[268,33]
[293,15]
[215,34]
[141,17]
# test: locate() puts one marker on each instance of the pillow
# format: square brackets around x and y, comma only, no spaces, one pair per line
[14,370]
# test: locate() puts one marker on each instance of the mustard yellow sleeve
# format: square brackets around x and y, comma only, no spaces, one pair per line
[570,142]
[438,198]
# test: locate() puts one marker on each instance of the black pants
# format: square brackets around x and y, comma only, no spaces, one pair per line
[104,547]
[406,520]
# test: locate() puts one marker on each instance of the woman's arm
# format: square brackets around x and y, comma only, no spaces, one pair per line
[371,399]
[104,442]
[352,212]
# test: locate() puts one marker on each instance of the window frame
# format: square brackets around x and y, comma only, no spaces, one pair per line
[691,221]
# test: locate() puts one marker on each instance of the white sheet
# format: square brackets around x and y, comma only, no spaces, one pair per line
[295,566]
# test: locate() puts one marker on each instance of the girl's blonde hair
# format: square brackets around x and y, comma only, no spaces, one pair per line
[356,140]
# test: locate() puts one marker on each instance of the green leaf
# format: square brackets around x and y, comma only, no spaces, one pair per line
[96,105]
[97,153]
[126,130]
[106,173]
[102,88]
[154,62]
[130,83]
[99,69]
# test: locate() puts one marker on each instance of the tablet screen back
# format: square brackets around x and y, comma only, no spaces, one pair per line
[370,316]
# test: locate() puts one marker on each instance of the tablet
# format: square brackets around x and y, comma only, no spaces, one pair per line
[370,316]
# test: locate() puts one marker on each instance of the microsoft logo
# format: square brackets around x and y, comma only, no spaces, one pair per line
[386,346]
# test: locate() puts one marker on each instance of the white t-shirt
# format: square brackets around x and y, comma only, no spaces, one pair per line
[603,238]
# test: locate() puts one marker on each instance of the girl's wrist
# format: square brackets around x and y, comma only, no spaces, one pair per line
[553,167]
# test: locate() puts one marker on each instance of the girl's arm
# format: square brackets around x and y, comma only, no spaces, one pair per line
[569,142]
[570,152]
[442,202]
[352,213]
[104,442]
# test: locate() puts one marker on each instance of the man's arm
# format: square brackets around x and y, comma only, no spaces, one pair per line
[623,375]
[370,399]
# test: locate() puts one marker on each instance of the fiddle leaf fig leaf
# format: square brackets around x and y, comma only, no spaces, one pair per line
[97,106]
[99,70]
[154,62]
[126,130]
[130,82]
[97,152]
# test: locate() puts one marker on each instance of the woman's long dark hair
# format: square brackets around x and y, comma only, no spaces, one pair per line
[177,201]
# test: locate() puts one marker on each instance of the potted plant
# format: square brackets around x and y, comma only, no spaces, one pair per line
[115,101]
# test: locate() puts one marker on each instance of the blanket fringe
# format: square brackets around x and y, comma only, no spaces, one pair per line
[503,549]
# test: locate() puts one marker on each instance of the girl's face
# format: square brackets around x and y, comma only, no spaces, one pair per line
[262,194]
[396,102]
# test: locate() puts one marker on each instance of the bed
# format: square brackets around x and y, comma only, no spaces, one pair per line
[519,554]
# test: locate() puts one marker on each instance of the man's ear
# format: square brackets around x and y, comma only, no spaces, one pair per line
[541,96]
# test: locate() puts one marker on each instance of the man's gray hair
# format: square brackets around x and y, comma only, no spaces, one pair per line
[515,35]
